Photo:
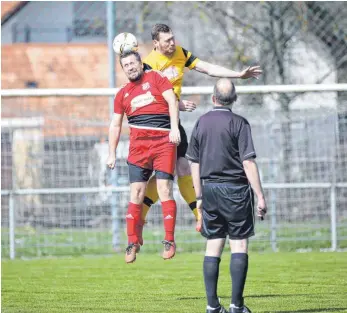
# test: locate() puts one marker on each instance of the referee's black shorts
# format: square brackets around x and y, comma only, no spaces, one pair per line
[227,211]
[183,145]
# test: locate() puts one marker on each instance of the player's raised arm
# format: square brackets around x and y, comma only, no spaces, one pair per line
[220,71]
[113,138]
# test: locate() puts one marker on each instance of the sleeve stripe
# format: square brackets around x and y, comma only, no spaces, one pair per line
[249,154]
[146,67]
[185,52]
[191,59]
[191,158]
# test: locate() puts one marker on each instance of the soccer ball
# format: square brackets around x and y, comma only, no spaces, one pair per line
[124,42]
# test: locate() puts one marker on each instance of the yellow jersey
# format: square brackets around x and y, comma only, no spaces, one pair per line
[171,67]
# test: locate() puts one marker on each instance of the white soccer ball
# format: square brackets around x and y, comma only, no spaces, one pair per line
[124,42]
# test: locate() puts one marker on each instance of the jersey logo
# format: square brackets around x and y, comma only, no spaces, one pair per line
[146,86]
[170,72]
[141,101]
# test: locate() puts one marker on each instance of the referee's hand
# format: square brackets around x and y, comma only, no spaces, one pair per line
[261,208]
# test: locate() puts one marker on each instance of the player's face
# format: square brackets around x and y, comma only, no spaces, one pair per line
[166,43]
[132,68]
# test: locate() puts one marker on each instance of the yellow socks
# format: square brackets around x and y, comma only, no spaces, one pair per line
[151,197]
[185,184]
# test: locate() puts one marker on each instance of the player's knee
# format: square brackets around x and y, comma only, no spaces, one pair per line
[137,194]
[182,167]
[165,190]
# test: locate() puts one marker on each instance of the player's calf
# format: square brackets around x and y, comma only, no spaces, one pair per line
[169,216]
[139,231]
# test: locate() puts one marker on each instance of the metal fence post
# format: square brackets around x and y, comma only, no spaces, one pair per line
[11,215]
[333,224]
[112,84]
[273,221]
[273,195]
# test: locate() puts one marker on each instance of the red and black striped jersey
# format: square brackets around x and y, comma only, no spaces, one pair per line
[143,103]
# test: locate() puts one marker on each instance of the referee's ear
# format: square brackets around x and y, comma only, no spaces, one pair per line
[213,99]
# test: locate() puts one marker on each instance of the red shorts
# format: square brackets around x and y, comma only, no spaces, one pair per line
[151,149]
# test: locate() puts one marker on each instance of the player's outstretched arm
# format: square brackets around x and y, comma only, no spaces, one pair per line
[220,71]
[113,139]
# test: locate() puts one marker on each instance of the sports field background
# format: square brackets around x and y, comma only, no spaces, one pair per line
[72,242]
[62,242]
[277,283]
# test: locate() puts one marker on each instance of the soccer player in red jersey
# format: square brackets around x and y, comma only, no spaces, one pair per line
[150,105]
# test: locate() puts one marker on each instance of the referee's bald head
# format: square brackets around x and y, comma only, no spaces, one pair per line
[224,92]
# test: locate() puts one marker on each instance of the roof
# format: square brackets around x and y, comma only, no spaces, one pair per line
[10,8]
[55,66]
[58,65]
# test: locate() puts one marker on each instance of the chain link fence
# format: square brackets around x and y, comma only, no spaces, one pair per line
[59,186]
[60,142]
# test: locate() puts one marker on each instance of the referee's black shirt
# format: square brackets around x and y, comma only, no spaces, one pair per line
[221,140]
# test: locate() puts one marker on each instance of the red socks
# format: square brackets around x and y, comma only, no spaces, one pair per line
[135,224]
[133,217]
[139,229]
[169,216]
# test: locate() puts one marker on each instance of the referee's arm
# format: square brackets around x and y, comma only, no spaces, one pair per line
[195,169]
[192,156]
[252,173]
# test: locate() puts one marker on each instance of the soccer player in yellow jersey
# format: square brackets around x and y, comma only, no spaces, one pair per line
[171,60]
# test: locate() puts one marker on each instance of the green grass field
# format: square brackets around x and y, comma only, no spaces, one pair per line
[278,282]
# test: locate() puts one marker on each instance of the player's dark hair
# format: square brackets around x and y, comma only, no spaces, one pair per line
[227,97]
[128,53]
[159,28]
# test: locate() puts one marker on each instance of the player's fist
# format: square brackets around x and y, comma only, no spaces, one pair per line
[111,161]
[187,106]
[175,136]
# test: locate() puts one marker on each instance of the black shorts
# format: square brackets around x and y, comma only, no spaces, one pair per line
[140,174]
[228,209]
[183,146]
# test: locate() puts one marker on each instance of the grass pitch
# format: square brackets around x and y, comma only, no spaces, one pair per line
[277,282]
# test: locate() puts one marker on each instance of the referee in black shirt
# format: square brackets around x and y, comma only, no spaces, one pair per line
[223,166]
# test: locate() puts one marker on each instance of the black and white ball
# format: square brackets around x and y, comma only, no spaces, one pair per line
[124,42]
